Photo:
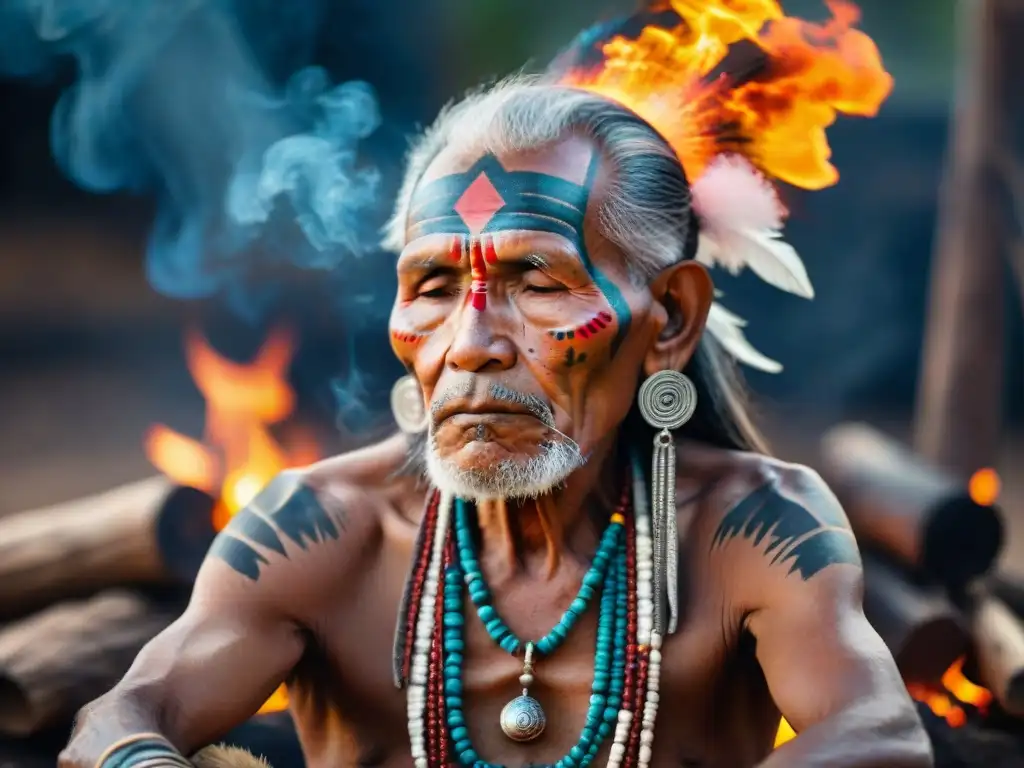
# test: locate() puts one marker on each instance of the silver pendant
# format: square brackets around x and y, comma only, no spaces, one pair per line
[523,719]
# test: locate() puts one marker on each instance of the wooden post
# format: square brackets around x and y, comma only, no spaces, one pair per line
[961,382]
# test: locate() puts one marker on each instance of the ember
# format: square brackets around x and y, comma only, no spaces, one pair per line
[238,454]
[794,78]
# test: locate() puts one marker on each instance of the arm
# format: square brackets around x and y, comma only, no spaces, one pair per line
[801,584]
[241,634]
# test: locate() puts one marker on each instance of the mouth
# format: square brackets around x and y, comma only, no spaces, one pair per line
[453,410]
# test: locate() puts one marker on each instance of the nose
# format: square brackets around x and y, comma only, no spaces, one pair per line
[476,348]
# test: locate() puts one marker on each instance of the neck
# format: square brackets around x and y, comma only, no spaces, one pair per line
[534,535]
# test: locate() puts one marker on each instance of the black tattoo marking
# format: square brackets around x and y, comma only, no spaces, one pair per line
[286,507]
[571,358]
[808,541]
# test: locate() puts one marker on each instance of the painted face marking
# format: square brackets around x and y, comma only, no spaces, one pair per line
[592,327]
[409,337]
[479,203]
[455,249]
[478,271]
[487,198]
[571,358]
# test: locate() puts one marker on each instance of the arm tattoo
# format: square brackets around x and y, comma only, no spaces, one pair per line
[285,508]
[808,541]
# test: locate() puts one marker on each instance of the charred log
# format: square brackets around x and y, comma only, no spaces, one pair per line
[149,532]
[922,628]
[58,660]
[921,516]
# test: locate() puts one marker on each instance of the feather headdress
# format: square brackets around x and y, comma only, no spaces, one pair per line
[743,94]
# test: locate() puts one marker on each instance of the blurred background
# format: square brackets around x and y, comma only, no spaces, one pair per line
[92,344]
[174,302]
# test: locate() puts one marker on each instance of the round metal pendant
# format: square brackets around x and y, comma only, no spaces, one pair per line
[667,399]
[407,406]
[523,719]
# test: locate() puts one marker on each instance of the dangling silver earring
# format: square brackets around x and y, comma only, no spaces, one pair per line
[407,405]
[667,400]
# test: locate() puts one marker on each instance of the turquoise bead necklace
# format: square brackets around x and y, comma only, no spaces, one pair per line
[523,718]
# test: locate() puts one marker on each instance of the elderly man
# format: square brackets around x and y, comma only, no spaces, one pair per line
[601,542]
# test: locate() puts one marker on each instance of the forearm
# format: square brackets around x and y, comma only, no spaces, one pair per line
[869,735]
[117,729]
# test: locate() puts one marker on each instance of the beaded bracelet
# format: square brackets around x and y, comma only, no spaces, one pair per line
[142,750]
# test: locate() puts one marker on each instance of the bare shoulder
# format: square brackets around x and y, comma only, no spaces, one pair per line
[769,518]
[309,531]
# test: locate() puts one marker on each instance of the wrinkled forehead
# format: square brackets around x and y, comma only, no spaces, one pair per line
[544,190]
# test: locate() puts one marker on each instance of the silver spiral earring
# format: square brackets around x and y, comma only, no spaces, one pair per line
[407,405]
[667,400]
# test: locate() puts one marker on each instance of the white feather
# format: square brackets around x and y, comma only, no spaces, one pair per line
[728,329]
[740,217]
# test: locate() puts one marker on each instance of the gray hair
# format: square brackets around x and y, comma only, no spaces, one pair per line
[646,209]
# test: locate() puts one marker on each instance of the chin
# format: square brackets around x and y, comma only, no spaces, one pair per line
[510,477]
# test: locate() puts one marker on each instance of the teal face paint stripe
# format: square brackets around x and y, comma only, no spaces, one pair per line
[610,290]
[521,200]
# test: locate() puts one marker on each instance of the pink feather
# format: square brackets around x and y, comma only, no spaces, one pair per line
[732,195]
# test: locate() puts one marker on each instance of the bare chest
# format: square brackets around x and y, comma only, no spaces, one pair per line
[351,712]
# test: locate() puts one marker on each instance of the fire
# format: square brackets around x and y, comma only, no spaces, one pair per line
[956,691]
[947,701]
[785,733]
[238,455]
[984,487]
[775,114]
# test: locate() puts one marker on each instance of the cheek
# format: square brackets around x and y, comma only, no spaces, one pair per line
[586,342]
[405,343]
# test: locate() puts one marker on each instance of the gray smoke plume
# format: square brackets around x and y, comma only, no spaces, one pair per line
[179,99]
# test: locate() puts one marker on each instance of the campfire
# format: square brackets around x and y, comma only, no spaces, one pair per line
[238,454]
[85,584]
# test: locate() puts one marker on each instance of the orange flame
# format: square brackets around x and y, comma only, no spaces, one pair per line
[956,691]
[946,701]
[238,454]
[777,117]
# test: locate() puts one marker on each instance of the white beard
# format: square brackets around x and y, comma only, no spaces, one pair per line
[510,479]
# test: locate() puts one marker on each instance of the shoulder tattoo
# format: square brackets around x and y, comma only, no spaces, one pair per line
[789,532]
[286,509]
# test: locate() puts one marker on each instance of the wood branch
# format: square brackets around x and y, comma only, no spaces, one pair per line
[921,627]
[55,661]
[999,647]
[961,383]
[144,533]
[917,514]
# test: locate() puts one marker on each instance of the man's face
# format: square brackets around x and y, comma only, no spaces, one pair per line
[518,319]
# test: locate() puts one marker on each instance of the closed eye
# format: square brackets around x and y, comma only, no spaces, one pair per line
[438,284]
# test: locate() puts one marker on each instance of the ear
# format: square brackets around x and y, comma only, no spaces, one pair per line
[685,293]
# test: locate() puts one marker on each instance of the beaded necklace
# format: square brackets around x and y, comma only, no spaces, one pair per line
[430,642]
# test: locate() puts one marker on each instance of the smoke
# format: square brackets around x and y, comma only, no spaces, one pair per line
[189,101]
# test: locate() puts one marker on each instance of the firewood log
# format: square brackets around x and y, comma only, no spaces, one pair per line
[147,532]
[915,513]
[59,659]
[924,631]
[999,646]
